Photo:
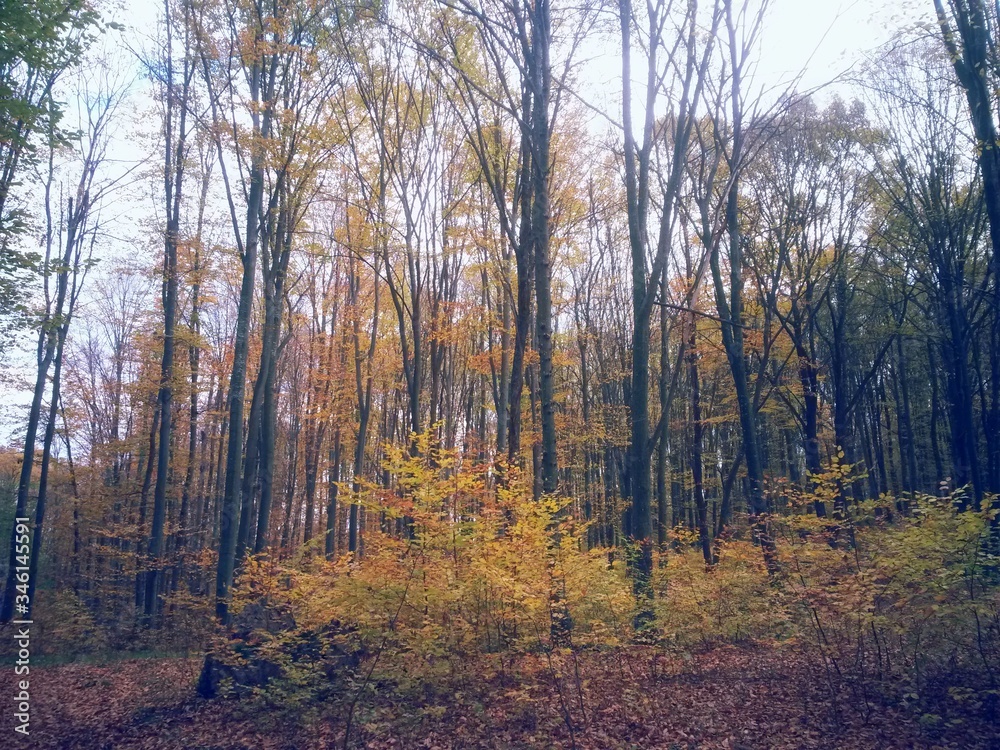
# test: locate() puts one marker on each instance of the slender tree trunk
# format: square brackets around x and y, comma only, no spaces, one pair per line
[47,440]
[330,542]
[230,509]
[697,428]
[50,339]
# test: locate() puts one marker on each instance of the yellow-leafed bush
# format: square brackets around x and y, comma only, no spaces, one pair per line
[903,599]
[465,571]
[469,569]
[731,602]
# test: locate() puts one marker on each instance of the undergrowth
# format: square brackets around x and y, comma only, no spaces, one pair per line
[462,581]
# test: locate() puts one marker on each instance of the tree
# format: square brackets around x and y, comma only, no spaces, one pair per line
[733,147]
[935,204]
[516,39]
[969,29]
[261,70]
[176,99]
[39,43]
[71,229]
[685,65]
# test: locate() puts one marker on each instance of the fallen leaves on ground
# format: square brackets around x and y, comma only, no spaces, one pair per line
[726,698]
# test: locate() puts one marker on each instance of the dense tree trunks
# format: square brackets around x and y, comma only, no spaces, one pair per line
[251,472]
[523,312]
[46,352]
[729,304]
[965,462]
[363,380]
[268,438]
[637,158]
[65,264]
[969,29]
[503,389]
[287,533]
[537,281]
[175,156]
[935,416]
[730,307]
[843,435]
[230,506]
[809,381]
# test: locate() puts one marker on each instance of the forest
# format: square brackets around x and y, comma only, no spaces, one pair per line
[496,374]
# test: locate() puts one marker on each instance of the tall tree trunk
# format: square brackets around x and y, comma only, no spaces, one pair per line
[230,508]
[48,345]
[541,81]
[731,313]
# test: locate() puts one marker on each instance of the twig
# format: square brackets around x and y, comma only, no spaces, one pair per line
[378,654]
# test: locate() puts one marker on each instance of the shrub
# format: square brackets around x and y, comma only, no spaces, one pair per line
[909,606]
[478,571]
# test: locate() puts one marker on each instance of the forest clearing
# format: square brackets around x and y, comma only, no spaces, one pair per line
[499,374]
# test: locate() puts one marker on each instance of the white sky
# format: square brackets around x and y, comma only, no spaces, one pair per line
[826,38]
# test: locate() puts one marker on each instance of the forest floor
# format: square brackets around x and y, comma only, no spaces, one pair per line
[727,697]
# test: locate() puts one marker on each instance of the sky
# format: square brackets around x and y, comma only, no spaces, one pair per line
[819,39]
[826,37]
